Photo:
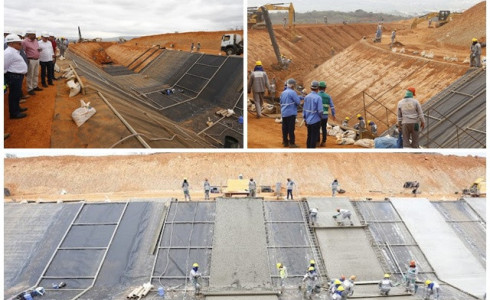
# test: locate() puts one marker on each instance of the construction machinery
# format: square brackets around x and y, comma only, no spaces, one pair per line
[232,44]
[477,189]
[443,17]
[255,16]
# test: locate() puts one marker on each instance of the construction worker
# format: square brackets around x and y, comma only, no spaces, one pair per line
[339,293]
[393,37]
[207,189]
[385,285]
[345,214]
[312,114]
[198,47]
[312,264]
[313,215]
[335,186]
[475,53]
[379,33]
[349,285]
[283,274]
[252,188]
[334,284]
[185,189]
[361,126]
[345,122]
[195,278]
[327,104]
[289,101]
[192,46]
[432,289]
[411,277]
[374,128]
[290,185]
[409,115]
[258,82]
[310,278]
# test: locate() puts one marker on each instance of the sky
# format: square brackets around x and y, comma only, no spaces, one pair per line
[113,18]
[388,6]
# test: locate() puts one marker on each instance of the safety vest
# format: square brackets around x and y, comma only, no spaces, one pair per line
[325,101]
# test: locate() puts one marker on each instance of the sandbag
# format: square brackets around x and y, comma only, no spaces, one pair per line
[335,130]
[83,113]
[345,141]
[385,142]
[350,134]
[366,143]
[74,87]
[56,68]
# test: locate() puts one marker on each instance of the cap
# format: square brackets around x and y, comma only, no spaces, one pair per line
[45,34]
[314,84]
[51,34]
[323,84]
[291,81]
[12,38]
[411,89]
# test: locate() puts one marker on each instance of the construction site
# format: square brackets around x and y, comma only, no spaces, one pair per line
[178,90]
[116,227]
[369,76]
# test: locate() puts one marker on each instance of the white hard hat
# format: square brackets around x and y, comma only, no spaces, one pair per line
[28,31]
[11,38]
[51,34]
[45,34]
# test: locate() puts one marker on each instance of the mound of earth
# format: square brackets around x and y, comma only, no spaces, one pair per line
[360,174]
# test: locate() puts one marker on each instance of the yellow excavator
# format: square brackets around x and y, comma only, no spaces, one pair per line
[477,189]
[255,15]
[443,17]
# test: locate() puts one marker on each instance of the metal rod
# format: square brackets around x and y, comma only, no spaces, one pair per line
[69,277]
[93,224]
[82,248]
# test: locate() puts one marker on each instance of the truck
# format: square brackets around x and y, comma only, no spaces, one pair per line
[232,44]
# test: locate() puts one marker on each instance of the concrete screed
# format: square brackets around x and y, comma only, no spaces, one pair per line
[479,205]
[451,260]
[327,207]
[239,257]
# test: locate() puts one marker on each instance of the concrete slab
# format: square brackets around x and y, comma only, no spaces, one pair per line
[348,252]
[479,205]
[327,207]
[239,258]
[452,261]
[241,297]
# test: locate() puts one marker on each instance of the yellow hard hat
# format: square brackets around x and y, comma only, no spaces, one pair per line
[347,118]
[358,115]
[340,288]
[336,282]
[258,63]
[475,40]
[369,121]
[278,265]
[195,265]
[312,261]
[387,275]
[427,282]
[311,269]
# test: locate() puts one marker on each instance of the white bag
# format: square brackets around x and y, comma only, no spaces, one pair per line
[366,143]
[74,87]
[83,113]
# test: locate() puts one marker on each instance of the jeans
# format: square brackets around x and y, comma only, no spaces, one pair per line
[313,135]
[14,82]
[47,68]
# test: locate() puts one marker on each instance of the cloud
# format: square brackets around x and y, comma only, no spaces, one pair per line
[109,18]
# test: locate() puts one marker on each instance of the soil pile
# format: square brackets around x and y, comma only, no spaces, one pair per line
[361,175]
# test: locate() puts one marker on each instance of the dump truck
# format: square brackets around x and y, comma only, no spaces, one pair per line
[477,189]
[232,44]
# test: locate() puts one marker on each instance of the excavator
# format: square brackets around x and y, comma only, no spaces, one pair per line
[477,189]
[255,15]
[443,17]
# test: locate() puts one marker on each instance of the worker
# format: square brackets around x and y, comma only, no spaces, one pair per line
[252,188]
[283,274]
[312,114]
[312,264]
[185,189]
[290,185]
[345,214]
[379,33]
[349,285]
[192,46]
[198,47]
[310,278]
[385,285]
[430,23]
[207,189]
[313,215]
[195,278]
[409,115]
[335,187]
[258,82]
[411,277]
[14,70]
[475,53]
[334,284]
[374,128]
[289,101]
[285,21]
[361,126]
[339,293]
[393,36]
[327,104]
[345,122]
[432,289]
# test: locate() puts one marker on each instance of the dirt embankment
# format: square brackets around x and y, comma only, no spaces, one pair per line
[374,175]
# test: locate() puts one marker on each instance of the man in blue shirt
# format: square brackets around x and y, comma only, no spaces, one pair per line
[289,109]
[327,105]
[312,114]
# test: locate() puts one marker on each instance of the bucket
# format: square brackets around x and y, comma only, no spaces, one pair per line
[161,292]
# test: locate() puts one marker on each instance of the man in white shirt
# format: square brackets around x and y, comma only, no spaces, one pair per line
[14,70]
[46,60]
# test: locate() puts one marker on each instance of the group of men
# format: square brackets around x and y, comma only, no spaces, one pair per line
[22,59]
